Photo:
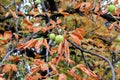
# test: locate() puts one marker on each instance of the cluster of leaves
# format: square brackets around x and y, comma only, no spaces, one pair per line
[89,50]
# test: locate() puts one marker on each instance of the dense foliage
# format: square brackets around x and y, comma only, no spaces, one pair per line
[59,40]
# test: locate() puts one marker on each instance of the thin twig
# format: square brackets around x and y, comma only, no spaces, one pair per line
[47,57]
[104,58]
[108,69]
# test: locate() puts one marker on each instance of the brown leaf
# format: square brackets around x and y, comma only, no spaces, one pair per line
[112,25]
[29,28]
[72,73]
[67,52]
[117,71]
[13,14]
[9,67]
[59,21]
[53,67]
[33,70]
[53,50]
[62,77]
[87,71]
[6,68]
[7,13]
[30,44]
[14,59]
[79,31]
[44,67]
[13,67]
[32,13]
[117,11]
[8,35]
[75,39]
[115,1]
[56,60]
[38,44]
[16,35]
[38,62]
[46,44]
[44,30]
[21,13]
[76,6]
[78,35]
[27,44]
[60,48]
[26,21]
[97,7]
[85,7]
[19,46]
[52,22]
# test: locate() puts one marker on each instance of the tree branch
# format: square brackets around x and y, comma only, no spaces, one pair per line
[104,58]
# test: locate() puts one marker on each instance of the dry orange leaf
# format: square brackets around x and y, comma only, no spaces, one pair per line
[78,35]
[87,71]
[112,25]
[6,37]
[38,44]
[21,13]
[46,44]
[53,50]
[67,52]
[62,77]
[43,67]
[27,22]
[75,39]
[59,21]
[6,15]
[25,45]
[60,48]
[9,67]
[14,59]
[97,7]
[38,62]
[79,31]
[72,73]
[13,67]
[32,13]
[117,71]
[115,1]
[30,44]
[53,67]
[19,46]
[117,11]
[76,6]
[16,35]
[85,5]
[13,14]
